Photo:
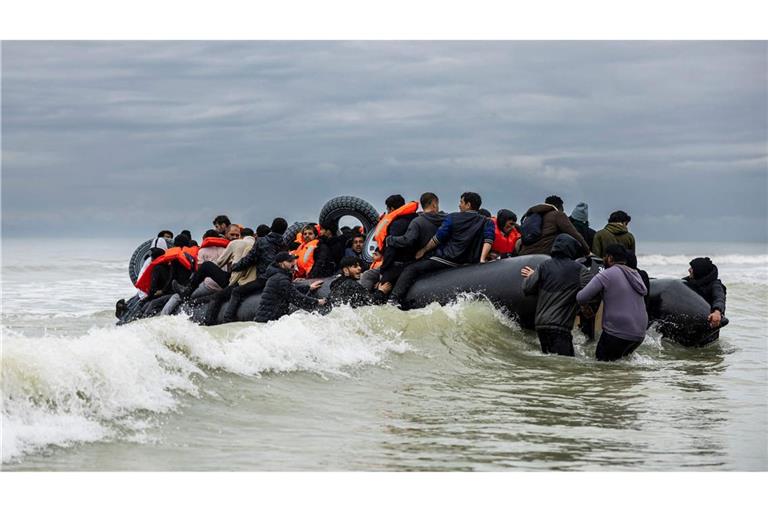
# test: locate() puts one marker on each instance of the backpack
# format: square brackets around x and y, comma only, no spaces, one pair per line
[531,228]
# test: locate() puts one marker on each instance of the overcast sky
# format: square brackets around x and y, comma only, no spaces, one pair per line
[119,138]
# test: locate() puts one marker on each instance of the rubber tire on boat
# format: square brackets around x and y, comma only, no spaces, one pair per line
[342,206]
[137,260]
[290,233]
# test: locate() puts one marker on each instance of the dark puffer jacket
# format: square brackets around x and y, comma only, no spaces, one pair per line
[279,293]
[328,254]
[348,290]
[554,222]
[557,281]
[612,233]
[262,254]
[710,288]
[420,231]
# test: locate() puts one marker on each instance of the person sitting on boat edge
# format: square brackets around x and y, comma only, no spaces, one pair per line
[280,292]
[507,234]
[463,237]
[538,233]
[346,289]
[625,319]
[703,279]
[329,251]
[556,281]
[421,229]
[615,232]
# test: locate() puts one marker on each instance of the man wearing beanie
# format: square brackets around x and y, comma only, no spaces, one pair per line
[702,278]
[580,220]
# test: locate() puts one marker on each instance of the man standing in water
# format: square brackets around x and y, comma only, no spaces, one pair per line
[624,317]
[557,280]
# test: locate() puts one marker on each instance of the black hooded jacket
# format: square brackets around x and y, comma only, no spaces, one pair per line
[557,281]
[328,254]
[710,288]
[348,290]
[279,293]
[262,254]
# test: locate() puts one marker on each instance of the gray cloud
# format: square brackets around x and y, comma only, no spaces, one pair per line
[127,138]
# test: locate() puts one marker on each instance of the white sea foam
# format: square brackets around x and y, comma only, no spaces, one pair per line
[682,260]
[61,390]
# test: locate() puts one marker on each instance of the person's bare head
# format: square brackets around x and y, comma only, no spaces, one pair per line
[350,267]
[429,202]
[309,233]
[233,232]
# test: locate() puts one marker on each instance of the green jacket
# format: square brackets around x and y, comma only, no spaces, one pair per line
[612,233]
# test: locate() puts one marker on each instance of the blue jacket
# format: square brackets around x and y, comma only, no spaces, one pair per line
[461,236]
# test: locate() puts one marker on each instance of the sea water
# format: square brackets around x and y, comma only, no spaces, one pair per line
[459,387]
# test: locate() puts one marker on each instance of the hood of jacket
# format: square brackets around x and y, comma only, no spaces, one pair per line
[704,281]
[275,239]
[634,278]
[435,218]
[541,209]
[616,228]
[566,246]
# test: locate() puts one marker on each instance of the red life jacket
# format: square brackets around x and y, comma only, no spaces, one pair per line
[504,244]
[186,256]
[214,241]
[380,233]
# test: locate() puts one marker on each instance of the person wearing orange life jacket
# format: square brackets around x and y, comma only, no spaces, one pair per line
[175,265]
[212,247]
[395,223]
[306,250]
[507,234]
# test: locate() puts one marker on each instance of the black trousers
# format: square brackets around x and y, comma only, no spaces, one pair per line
[555,342]
[411,273]
[611,348]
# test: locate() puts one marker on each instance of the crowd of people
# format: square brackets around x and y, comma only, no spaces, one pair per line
[234,262]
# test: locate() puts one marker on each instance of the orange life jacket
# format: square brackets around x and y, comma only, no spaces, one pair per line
[380,233]
[300,235]
[376,264]
[504,244]
[306,254]
[214,241]
[186,256]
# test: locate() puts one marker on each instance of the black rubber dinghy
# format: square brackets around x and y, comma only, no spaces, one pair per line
[680,314]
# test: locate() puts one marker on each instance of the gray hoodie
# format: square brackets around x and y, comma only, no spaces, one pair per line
[624,314]
[420,231]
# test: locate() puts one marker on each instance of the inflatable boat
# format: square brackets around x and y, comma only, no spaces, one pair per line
[675,310]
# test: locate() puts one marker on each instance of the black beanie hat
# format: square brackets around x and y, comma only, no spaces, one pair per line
[156,252]
[701,267]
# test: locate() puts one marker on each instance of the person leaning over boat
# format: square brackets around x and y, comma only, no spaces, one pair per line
[421,229]
[624,317]
[279,292]
[463,237]
[557,280]
[615,232]
[703,279]
[553,222]
[346,289]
